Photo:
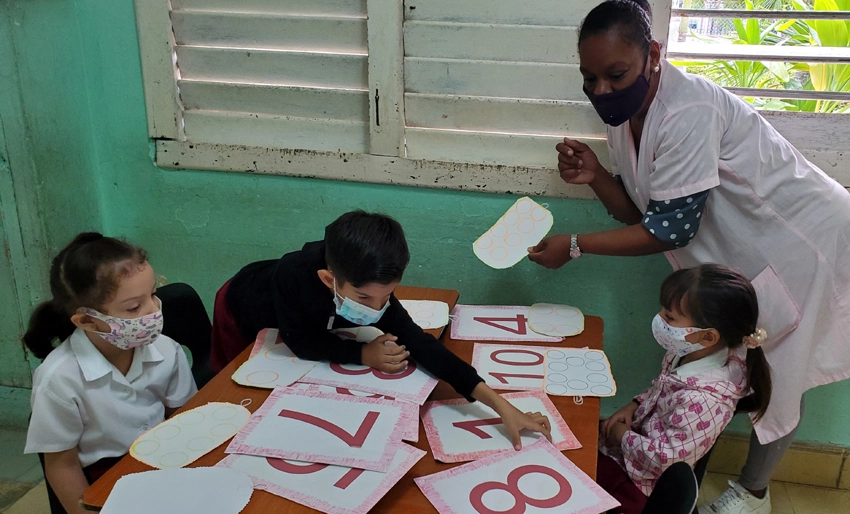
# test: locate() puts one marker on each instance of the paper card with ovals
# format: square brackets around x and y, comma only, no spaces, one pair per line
[551,319]
[524,225]
[427,313]
[273,366]
[190,435]
[578,372]
[536,479]
[267,338]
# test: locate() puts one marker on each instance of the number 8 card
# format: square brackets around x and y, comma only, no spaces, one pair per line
[536,479]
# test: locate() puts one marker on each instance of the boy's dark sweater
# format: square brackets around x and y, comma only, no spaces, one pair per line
[287,294]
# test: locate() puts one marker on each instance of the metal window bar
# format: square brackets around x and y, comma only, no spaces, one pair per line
[766,14]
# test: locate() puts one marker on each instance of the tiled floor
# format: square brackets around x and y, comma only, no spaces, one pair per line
[22,488]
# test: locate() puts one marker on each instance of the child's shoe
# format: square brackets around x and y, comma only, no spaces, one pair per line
[737,500]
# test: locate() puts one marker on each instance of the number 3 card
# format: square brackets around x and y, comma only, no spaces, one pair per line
[536,479]
[330,429]
[331,489]
[495,323]
[512,367]
[460,431]
[411,385]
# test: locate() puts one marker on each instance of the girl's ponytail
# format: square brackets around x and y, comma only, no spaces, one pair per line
[47,324]
[758,378]
[80,276]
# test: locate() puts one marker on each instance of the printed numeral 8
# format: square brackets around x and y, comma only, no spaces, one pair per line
[511,486]
[411,367]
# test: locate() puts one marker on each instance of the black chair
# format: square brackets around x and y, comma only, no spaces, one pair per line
[675,492]
[187,322]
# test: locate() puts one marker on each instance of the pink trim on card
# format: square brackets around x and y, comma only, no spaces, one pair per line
[479,348]
[570,441]
[426,483]
[455,334]
[391,478]
[260,342]
[418,397]
[237,445]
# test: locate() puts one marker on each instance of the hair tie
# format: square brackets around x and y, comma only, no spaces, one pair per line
[755,339]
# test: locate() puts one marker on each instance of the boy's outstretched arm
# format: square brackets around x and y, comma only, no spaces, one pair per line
[515,421]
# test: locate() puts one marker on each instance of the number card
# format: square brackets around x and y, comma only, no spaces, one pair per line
[331,489]
[190,435]
[507,242]
[510,367]
[273,366]
[266,338]
[411,385]
[427,313]
[460,431]
[555,320]
[495,323]
[578,372]
[411,410]
[344,430]
[536,479]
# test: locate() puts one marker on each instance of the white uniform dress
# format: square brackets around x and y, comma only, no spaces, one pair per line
[770,214]
[79,399]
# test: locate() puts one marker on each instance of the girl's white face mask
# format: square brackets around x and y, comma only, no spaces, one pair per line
[130,333]
[673,338]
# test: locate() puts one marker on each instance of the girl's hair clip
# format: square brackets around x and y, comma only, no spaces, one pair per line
[755,339]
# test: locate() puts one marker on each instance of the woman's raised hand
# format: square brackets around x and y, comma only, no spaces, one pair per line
[577,163]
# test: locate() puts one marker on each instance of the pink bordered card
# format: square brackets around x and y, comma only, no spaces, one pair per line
[510,367]
[326,428]
[411,410]
[495,323]
[411,385]
[459,431]
[536,479]
[267,338]
[326,488]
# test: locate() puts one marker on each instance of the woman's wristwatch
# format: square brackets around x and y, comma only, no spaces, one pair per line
[575,252]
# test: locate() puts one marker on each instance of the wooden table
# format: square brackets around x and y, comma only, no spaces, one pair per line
[405,496]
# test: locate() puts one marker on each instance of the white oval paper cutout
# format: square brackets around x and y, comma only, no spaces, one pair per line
[185,438]
[551,319]
[524,225]
[427,313]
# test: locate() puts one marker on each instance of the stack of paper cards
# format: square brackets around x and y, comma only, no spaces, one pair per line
[536,479]
[341,451]
[185,438]
[578,372]
[460,431]
[427,313]
[511,367]
[507,242]
[411,385]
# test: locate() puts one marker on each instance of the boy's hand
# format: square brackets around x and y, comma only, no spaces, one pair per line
[625,415]
[383,354]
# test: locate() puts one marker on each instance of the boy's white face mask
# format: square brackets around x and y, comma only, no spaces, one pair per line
[673,338]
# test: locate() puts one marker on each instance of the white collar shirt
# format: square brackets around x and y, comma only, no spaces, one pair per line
[81,400]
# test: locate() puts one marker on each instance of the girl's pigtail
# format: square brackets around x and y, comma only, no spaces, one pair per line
[758,378]
[48,323]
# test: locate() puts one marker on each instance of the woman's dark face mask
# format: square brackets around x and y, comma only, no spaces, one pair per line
[617,107]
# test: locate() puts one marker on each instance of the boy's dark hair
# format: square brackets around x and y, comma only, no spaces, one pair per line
[363,247]
[84,274]
[723,299]
[631,18]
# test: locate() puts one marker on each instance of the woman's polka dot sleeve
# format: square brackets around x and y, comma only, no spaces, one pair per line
[675,221]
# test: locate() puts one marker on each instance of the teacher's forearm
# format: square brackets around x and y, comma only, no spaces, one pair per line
[613,196]
[627,241]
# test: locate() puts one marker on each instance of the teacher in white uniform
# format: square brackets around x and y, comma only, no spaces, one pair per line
[698,174]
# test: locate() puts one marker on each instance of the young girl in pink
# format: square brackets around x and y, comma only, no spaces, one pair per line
[707,324]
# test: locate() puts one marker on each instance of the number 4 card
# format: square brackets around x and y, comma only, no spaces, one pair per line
[495,323]
[331,489]
[460,431]
[329,429]
[536,479]
[512,367]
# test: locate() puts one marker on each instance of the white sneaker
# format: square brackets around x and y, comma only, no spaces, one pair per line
[737,500]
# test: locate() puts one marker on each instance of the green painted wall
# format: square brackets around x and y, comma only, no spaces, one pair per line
[201,227]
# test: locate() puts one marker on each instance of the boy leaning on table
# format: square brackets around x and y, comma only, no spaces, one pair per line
[344,281]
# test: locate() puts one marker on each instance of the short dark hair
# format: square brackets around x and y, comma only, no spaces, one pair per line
[363,247]
[632,18]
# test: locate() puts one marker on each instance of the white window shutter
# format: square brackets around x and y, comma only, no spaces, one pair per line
[273,74]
